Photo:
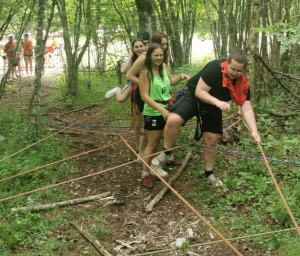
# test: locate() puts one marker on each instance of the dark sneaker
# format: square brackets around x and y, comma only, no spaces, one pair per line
[147,182]
[213,179]
[174,162]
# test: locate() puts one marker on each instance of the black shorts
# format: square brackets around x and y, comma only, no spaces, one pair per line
[3,57]
[187,108]
[154,123]
[137,99]
[211,116]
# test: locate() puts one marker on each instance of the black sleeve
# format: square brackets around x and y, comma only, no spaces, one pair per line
[211,73]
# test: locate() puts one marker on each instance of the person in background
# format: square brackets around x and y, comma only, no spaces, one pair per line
[206,97]
[155,82]
[10,50]
[49,52]
[3,54]
[28,54]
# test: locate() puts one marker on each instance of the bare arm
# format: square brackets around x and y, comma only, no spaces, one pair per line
[201,93]
[248,114]
[136,69]
[176,79]
[144,86]
[126,65]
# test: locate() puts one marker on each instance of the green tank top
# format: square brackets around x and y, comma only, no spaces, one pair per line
[159,90]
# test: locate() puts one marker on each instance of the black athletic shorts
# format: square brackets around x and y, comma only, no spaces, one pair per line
[137,99]
[3,57]
[211,116]
[154,123]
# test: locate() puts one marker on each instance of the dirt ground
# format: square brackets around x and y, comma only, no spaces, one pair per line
[131,230]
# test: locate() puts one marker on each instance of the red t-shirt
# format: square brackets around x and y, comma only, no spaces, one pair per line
[9,53]
[27,50]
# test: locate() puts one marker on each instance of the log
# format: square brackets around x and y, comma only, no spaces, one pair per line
[95,242]
[149,207]
[64,203]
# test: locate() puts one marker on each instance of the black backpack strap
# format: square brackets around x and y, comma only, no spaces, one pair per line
[198,136]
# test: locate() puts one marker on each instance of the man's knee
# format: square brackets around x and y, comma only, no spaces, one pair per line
[210,139]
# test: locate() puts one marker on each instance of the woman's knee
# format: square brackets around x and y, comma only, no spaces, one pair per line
[174,121]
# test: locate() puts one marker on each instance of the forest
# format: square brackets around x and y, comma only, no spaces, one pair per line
[69,174]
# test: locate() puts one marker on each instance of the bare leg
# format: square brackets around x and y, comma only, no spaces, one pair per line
[173,124]
[143,144]
[153,142]
[210,155]
[26,64]
[138,124]
[122,97]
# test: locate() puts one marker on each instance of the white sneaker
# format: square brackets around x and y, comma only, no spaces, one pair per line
[161,159]
[213,179]
[111,92]
[159,171]
[127,85]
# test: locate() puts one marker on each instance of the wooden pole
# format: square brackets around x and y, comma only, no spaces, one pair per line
[64,203]
[156,199]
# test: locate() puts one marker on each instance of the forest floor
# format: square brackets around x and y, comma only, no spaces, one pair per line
[129,229]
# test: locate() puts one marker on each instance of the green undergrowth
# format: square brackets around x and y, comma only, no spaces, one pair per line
[247,204]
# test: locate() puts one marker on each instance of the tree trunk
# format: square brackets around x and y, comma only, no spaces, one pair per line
[253,49]
[39,58]
[145,10]
[213,31]
[73,54]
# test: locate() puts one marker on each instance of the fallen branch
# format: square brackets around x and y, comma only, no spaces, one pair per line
[161,193]
[83,108]
[64,203]
[95,242]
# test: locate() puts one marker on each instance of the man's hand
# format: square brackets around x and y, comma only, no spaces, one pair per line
[224,106]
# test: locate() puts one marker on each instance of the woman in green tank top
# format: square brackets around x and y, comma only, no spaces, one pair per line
[155,82]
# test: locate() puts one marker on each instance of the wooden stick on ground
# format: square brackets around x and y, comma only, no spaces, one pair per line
[95,242]
[161,193]
[64,203]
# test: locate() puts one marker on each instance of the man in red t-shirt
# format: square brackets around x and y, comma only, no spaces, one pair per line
[9,49]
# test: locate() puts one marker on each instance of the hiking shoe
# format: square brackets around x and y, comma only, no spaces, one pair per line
[162,159]
[111,93]
[174,162]
[147,182]
[159,171]
[213,179]
[127,85]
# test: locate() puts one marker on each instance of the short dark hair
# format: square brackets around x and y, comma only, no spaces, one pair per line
[144,35]
[238,55]
[26,35]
